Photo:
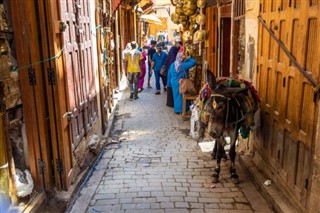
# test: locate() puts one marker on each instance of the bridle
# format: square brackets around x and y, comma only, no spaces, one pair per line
[228,108]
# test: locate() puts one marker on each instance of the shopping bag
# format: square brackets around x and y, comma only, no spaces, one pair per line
[123,83]
[194,122]
[186,86]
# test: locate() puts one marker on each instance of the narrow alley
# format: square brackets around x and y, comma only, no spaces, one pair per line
[158,167]
[71,140]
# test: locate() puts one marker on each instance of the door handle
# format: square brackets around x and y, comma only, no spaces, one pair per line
[69,116]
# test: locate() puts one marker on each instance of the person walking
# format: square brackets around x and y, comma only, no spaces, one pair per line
[170,59]
[151,51]
[143,70]
[133,62]
[126,50]
[181,50]
[179,69]
[158,60]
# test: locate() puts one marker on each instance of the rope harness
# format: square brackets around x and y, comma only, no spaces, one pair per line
[244,116]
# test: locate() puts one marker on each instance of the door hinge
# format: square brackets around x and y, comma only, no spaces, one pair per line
[59,165]
[32,76]
[42,166]
[51,76]
[62,26]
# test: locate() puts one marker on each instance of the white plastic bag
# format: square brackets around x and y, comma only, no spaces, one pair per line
[123,82]
[194,119]
[24,183]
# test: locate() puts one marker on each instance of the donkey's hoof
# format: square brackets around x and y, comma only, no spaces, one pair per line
[215,175]
[234,178]
[215,179]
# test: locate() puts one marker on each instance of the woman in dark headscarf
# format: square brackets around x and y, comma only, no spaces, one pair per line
[170,59]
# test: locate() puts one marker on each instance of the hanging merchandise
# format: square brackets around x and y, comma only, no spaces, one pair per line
[189,8]
[201,3]
[199,36]
[175,18]
[186,36]
[201,19]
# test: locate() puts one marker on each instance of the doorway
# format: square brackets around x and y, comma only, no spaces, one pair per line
[225,35]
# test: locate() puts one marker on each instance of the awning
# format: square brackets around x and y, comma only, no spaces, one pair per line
[151,19]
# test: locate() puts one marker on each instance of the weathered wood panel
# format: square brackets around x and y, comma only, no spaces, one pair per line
[62,148]
[211,45]
[288,97]
[31,74]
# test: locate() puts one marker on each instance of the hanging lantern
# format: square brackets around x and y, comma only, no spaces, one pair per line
[199,36]
[201,3]
[186,36]
[175,18]
[189,8]
[179,10]
[201,19]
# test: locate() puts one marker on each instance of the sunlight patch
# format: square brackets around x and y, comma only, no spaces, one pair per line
[206,146]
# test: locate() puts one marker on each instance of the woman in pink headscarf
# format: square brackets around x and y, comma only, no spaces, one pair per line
[143,70]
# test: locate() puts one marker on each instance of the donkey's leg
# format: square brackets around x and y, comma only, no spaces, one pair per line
[216,172]
[214,152]
[232,153]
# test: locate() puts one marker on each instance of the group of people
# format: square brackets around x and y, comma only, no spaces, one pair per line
[135,68]
[170,68]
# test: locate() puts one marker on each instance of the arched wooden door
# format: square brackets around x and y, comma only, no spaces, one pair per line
[288,101]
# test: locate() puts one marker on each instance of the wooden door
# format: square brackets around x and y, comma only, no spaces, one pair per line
[211,46]
[57,91]
[101,61]
[88,95]
[31,74]
[225,25]
[77,95]
[79,73]
[288,105]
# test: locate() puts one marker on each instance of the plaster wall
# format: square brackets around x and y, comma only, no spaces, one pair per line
[164,13]
[251,33]
[314,203]
[251,51]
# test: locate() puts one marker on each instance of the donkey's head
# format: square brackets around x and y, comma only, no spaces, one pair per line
[218,106]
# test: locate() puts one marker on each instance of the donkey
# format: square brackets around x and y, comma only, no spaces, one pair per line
[222,113]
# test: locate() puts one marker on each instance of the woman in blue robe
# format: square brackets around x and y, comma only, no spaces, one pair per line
[179,69]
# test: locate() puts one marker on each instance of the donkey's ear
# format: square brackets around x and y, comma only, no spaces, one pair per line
[211,80]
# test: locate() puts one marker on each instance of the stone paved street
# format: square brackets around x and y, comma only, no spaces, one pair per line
[158,168]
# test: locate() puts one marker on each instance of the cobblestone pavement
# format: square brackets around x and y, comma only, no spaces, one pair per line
[158,168]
